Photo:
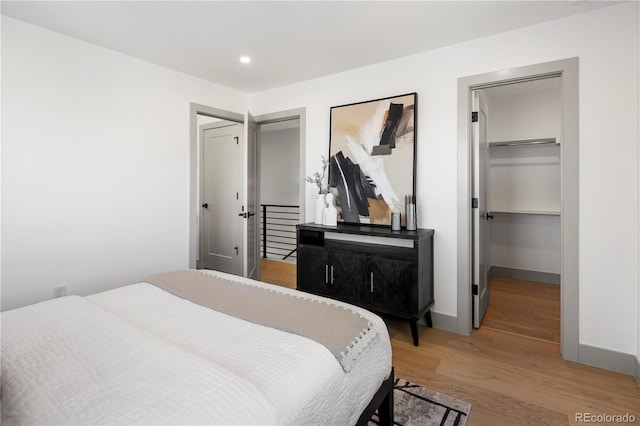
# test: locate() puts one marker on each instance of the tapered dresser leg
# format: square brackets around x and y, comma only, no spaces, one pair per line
[414,332]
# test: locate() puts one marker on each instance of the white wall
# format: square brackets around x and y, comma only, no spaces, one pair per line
[606,43]
[525,179]
[95,193]
[529,242]
[279,166]
[527,115]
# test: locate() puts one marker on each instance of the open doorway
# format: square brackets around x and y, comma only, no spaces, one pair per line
[281,164]
[279,189]
[250,211]
[517,165]
[567,72]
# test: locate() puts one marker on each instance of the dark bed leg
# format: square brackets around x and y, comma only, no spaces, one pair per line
[385,411]
[381,401]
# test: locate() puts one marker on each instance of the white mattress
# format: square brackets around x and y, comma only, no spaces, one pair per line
[139,355]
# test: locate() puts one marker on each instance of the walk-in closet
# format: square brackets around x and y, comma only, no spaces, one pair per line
[523,203]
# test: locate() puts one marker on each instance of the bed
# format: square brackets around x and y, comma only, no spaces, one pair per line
[161,352]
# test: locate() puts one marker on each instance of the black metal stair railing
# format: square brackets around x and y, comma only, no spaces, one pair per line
[278,230]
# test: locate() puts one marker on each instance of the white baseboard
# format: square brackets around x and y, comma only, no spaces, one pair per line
[443,322]
[609,360]
[523,274]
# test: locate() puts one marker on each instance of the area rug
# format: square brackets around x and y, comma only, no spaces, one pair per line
[417,405]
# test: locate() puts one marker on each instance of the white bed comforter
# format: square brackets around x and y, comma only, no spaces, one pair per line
[139,355]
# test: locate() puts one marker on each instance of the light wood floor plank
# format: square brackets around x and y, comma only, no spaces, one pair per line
[280,273]
[524,308]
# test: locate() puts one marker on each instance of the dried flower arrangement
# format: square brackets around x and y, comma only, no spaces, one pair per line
[317,178]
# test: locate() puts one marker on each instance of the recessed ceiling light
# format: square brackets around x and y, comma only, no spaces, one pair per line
[245,59]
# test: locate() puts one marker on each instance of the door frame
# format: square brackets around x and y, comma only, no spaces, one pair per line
[250,147]
[567,70]
[194,110]
[194,225]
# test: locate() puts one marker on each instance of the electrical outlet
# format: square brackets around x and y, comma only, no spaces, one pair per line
[59,290]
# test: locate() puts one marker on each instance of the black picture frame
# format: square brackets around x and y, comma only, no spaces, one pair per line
[372,158]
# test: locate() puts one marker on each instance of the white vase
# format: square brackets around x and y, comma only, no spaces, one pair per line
[330,216]
[321,204]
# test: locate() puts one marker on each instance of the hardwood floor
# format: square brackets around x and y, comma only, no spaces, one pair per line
[509,379]
[525,308]
[279,273]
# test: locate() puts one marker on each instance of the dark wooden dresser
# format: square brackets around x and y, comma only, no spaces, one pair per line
[385,271]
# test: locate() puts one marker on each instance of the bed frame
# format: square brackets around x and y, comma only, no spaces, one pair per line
[381,401]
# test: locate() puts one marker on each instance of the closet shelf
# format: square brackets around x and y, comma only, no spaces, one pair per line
[523,142]
[533,212]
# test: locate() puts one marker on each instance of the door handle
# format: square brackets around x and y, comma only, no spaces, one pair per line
[246,215]
[488,216]
[205,205]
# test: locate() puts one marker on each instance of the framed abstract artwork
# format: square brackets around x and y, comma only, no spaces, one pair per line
[372,154]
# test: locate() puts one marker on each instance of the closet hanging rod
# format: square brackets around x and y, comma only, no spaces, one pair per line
[524,142]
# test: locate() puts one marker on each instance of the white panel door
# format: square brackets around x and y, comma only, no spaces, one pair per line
[222,173]
[480,288]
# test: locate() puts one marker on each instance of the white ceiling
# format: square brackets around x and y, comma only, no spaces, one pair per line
[287,41]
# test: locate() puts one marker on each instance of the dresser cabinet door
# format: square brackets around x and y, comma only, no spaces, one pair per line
[393,285]
[333,273]
[312,270]
[347,274]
